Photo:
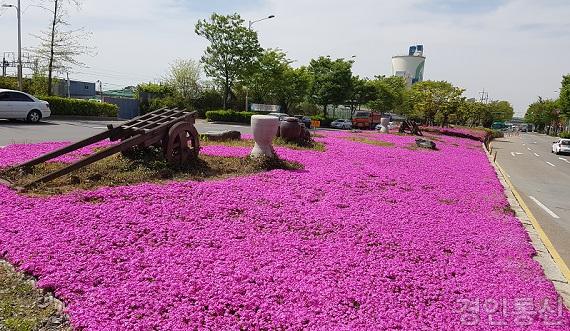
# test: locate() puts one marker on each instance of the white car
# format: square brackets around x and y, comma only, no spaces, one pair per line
[342,124]
[561,146]
[22,106]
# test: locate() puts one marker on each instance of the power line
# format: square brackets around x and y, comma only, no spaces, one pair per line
[484,96]
[116,76]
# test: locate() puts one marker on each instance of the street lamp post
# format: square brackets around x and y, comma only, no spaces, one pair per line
[249,27]
[101,90]
[19,14]
[259,20]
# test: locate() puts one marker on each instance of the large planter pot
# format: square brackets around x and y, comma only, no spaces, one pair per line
[264,130]
[290,129]
[385,124]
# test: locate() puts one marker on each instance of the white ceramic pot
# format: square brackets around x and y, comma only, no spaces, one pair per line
[264,130]
[385,123]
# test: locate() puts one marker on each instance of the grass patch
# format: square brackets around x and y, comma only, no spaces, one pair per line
[309,145]
[140,166]
[371,141]
[24,307]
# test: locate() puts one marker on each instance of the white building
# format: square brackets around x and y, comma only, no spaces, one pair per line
[410,66]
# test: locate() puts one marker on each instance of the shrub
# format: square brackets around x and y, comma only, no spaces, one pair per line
[494,134]
[565,135]
[480,134]
[229,116]
[209,99]
[35,85]
[76,107]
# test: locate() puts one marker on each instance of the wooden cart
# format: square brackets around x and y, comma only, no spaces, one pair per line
[171,129]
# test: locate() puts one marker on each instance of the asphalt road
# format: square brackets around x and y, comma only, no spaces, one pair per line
[68,130]
[543,180]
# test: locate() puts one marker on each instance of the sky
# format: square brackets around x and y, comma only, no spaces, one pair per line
[516,50]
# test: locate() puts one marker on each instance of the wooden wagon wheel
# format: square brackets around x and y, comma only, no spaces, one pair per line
[183,143]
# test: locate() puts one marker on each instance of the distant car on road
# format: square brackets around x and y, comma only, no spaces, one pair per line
[561,146]
[280,116]
[305,120]
[342,124]
[22,106]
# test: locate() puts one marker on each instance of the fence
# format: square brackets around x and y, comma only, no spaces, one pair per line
[128,108]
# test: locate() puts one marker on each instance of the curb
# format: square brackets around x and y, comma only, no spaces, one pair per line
[555,269]
[230,123]
[83,118]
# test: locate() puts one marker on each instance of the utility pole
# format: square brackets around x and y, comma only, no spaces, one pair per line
[20,74]
[19,14]
[484,97]
[4,65]
[250,24]
[68,86]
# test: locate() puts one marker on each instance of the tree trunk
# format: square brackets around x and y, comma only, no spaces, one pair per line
[52,46]
[226,90]
[325,110]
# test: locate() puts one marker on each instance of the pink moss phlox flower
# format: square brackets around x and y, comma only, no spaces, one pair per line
[365,237]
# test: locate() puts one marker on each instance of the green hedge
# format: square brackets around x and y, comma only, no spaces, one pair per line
[229,116]
[76,107]
[565,135]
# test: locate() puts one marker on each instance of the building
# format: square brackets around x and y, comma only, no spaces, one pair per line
[76,89]
[410,66]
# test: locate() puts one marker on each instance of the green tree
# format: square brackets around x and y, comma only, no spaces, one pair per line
[502,111]
[184,79]
[436,100]
[60,46]
[473,113]
[385,97]
[363,91]
[233,50]
[543,113]
[390,94]
[295,89]
[266,80]
[274,81]
[400,87]
[331,81]
[565,97]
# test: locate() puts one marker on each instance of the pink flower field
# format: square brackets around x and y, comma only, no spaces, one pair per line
[365,237]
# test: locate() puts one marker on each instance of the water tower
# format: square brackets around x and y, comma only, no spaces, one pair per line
[410,66]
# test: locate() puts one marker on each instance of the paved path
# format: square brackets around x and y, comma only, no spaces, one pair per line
[543,180]
[61,130]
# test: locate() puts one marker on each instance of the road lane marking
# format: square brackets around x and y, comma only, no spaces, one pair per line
[563,159]
[543,236]
[529,149]
[517,153]
[550,164]
[536,155]
[513,154]
[541,205]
